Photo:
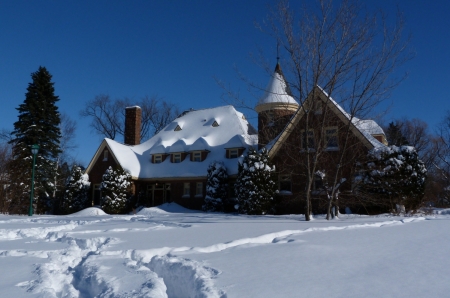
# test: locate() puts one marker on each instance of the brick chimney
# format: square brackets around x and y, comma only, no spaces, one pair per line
[132,135]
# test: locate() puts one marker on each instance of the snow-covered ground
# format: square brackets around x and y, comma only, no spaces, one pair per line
[173,252]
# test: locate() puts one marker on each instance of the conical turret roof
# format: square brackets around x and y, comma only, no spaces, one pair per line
[277,92]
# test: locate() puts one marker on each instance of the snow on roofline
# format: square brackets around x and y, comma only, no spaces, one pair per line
[196,134]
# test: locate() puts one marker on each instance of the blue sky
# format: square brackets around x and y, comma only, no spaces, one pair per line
[175,49]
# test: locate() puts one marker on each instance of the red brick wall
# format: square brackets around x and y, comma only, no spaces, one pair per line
[268,130]
[133,118]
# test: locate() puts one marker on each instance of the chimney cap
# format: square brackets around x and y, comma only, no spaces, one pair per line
[133,107]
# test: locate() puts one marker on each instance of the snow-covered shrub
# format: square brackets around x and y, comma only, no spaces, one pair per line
[115,190]
[216,188]
[255,185]
[76,191]
[394,176]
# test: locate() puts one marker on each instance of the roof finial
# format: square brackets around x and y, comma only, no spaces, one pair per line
[278,52]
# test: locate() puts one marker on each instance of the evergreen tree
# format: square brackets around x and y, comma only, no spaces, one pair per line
[394,135]
[38,123]
[76,191]
[255,185]
[394,177]
[115,190]
[216,188]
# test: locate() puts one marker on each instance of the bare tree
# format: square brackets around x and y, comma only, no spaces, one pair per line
[351,53]
[5,158]
[63,162]
[108,116]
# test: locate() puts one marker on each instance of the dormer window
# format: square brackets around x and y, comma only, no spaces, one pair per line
[234,152]
[176,157]
[215,124]
[178,128]
[157,158]
[196,156]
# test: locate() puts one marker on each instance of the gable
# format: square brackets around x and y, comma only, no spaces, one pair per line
[104,158]
[356,125]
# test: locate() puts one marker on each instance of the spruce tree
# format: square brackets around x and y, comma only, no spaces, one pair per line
[38,123]
[216,188]
[255,185]
[115,190]
[394,135]
[394,176]
[76,191]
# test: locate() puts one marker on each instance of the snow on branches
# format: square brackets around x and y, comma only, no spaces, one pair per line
[115,189]
[255,186]
[216,188]
[394,175]
[76,191]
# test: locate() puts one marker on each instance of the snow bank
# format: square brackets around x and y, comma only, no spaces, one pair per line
[165,208]
[91,211]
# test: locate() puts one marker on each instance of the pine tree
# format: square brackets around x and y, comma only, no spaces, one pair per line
[38,123]
[216,188]
[76,191]
[394,176]
[394,135]
[115,190]
[255,185]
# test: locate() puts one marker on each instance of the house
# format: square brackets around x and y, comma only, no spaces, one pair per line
[172,165]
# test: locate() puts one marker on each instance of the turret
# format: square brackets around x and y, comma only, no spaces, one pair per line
[275,108]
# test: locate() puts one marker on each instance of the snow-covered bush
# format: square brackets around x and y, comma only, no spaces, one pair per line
[394,176]
[76,191]
[255,185]
[216,188]
[115,190]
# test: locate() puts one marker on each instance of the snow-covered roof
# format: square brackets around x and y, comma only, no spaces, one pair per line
[277,90]
[197,133]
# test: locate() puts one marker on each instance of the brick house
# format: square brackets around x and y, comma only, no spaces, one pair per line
[172,165]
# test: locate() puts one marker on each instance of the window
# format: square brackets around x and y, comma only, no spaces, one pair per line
[176,157]
[186,189]
[270,116]
[178,128]
[105,155]
[215,124]
[318,183]
[318,107]
[285,185]
[97,194]
[308,139]
[331,138]
[233,153]
[157,158]
[196,156]
[199,189]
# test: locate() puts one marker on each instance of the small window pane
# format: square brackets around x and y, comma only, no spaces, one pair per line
[199,189]
[233,153]
[308,139]
[331,139]
[157,158]
[186,189]
[285,184]
[197,156]
[177,158]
